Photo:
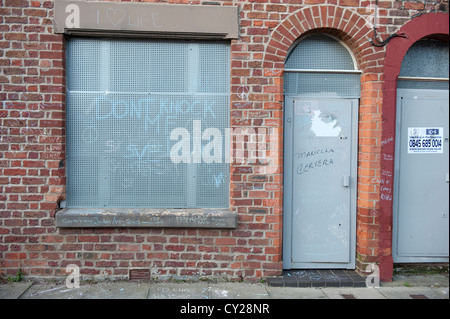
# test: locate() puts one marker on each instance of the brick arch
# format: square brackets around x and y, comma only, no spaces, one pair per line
[350,27]
[427,25]
[347,24]
[431,24]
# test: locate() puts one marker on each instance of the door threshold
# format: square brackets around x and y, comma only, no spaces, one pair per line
[314,278]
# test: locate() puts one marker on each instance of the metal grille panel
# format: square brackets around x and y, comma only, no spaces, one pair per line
[320,51]
[426,58]
[423,85]
[322,84]
[124,98]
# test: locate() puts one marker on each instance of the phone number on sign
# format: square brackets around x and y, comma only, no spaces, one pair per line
[425,143]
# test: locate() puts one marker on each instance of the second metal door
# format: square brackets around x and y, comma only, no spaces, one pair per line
[421,197]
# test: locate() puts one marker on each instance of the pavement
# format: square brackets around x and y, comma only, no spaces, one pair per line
[402,287]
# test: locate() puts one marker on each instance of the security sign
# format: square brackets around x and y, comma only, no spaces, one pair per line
[425,140]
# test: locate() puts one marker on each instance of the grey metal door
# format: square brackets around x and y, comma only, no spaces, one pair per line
[320,182]
[421,194]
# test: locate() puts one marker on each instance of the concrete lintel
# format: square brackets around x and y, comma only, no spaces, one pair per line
[135,217]
[115,18]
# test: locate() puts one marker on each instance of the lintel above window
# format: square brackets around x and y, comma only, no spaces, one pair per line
[146,19]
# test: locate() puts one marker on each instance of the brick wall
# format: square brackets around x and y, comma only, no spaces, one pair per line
[32,171]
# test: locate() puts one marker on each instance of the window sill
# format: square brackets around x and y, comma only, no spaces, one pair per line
[135,217]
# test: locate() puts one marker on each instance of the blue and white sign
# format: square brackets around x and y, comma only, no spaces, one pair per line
[425,140]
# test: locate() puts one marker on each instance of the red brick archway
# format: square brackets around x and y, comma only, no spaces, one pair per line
[350,24]
[427,25]
[351,28]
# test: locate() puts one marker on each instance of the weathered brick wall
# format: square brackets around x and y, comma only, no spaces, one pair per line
[32,171]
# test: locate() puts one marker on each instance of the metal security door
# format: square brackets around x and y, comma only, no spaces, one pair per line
[421,196]
[320,183]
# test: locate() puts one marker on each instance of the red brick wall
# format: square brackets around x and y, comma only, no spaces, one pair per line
[32,172]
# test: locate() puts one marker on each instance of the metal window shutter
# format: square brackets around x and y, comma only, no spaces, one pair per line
[124,97]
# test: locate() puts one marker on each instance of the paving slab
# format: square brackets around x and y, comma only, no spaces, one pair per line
[178,291]
[437,280]
[55,291]
[103,290]
[353,293]
[13,290]
[410,293]
[237,291]
[443,291]
[117,290]
[296,293]
[207,291]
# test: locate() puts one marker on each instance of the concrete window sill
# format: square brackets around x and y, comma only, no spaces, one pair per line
[135,217]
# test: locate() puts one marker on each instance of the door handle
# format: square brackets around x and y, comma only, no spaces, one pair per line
[446,177]
[346,181]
